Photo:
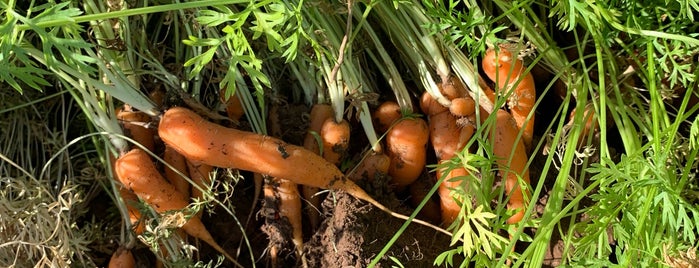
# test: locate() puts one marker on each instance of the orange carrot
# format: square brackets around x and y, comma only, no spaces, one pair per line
[463,106]
[371,165]
[286,194]
[384,115]
[199,173]
[122,258]
[130,200]
[505,70]
[406,144]
[590,125]
[418,191]
[234,107]
[444,135]
[212,144]
[137,172]
[176,160]
[335,138]
[133,123]
[503,139]
[450,208]
[429,105]
[319,113]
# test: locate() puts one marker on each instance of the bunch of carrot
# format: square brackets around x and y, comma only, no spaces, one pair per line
[195,146]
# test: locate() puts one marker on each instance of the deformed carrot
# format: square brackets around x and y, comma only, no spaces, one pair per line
[406,145]
[430,106]
[202,141]
[506,70]
[463,106]
[137,172]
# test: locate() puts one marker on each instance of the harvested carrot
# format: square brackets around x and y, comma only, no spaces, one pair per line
[506,70]
[122,258]
[319,113]
[212,144]
[137,172]
[370,166]
[384,115]
[177,161]
[406,144]
[133,123]
[335,138]
[504,147]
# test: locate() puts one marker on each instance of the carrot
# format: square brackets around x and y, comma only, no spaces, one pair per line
[199,173]
[177,161]
[288,199]
[370,166]
[506,70]
[590,124]
[319,113]
[122,258]
[384,115]
[450,208]
[444,135]
[234,107]
[503,139]
[406,144]
[133,123]
[429,105]
[462,106]
[418,191]
[335,138]
[130,199]
[212,144]
[452,88]
[137,172]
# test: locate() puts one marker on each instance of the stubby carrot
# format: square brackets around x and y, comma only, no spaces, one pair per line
[137,172]
[406,145]
[384,115]
[506,70]
[122,258]
[370,166]
[335,136]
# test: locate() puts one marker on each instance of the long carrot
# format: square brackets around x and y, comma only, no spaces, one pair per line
[130,200]
[137,172]
[319,113]
[206,142]
[504,147]
[507,70]
[406,145]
